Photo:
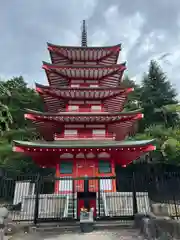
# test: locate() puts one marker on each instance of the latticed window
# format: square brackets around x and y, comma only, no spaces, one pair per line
[104,166]
[93,86]
[96,108]
[73,108]
[72,132]
[98,132]
[66,167]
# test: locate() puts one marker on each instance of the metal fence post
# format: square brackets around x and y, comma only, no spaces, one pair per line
[36,208]
[99,198]
[73,198]
[135,208]
[86,191]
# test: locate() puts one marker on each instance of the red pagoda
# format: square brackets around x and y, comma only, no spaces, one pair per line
[84,126]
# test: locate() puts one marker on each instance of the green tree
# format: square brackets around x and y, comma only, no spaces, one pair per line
[15,97]
[167,143]
[22,97]
[133,101]
[5,115]
[156,93]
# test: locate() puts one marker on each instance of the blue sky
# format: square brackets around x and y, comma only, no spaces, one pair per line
[147,30]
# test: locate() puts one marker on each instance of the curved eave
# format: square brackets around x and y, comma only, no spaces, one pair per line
[82,92]
[83,113]
[40,86]
[74,144]
[59,73]
[49,66]
[123,152]
[85,119]
[85,48]
[67,55]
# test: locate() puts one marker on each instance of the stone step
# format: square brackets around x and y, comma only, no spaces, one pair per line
[69,227]
[57,229]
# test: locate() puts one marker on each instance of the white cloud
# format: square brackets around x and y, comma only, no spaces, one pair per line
[87,8]
[123,55]
[99,38]
[126,28]
[70,38]
[145,29]
[147,45]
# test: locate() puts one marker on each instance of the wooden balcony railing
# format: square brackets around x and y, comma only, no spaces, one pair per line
[85,136]
[86,110]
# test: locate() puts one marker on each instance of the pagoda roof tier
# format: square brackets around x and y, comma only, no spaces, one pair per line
[70,54]
[83,117]
[60,75]
[122,125]
[121,129]
[55,99]
[82,93]
[124,152]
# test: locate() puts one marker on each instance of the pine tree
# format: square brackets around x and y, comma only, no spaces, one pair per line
[157,92]
[133,101]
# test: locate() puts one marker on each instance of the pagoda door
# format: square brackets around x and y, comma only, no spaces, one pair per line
[80,168]
[91,169]
[84,168]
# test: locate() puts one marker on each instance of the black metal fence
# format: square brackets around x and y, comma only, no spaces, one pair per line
[38,198]
[71,195]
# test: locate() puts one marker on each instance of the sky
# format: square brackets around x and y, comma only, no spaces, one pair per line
[147,29]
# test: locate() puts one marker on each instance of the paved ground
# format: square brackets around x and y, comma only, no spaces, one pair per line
[122,234]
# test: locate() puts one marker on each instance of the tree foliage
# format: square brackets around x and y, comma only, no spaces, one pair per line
[156,93]
[133,101]
[161,121]
[15,97]
[22,97]
[5,115]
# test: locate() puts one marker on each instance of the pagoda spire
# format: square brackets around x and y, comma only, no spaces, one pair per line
[84,35]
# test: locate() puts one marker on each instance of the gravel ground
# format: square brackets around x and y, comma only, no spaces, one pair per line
[122,234]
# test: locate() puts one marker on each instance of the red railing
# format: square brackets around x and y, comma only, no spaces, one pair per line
[86,110]
[85,136]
